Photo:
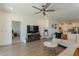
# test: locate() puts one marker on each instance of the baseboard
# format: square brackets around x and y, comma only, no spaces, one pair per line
[5,44]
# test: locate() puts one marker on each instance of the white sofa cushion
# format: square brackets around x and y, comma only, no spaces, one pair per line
[72,38]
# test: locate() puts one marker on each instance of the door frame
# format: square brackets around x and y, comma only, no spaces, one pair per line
[20,28]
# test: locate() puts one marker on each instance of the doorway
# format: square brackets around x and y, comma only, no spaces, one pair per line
[16,31]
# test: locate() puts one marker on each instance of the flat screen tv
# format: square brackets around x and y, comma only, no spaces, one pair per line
[32,29]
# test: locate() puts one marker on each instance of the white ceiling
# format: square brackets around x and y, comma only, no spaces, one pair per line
[63,11]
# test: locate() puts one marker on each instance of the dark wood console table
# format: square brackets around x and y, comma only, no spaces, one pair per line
[33,37]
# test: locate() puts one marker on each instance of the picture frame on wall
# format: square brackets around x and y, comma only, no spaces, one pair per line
[54,26]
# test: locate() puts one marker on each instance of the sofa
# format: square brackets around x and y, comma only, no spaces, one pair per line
[71,38]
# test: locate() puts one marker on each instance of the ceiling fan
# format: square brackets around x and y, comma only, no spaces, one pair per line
[44,9]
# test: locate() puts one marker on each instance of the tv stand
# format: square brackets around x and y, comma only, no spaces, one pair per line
[33,37]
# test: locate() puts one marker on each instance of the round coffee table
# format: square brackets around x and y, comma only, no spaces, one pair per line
[50,45]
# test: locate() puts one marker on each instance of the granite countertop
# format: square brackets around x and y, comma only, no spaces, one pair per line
[70,50]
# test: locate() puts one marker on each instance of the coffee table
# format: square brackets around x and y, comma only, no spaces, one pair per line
[50,45]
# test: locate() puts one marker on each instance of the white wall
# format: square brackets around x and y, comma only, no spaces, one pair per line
[42,25]
[4,29]
[6,26]
[6,19]
[45,23]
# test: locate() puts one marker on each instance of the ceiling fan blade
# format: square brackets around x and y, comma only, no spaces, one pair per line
[47,5]
[38,12]
[50,10]
[36,7]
